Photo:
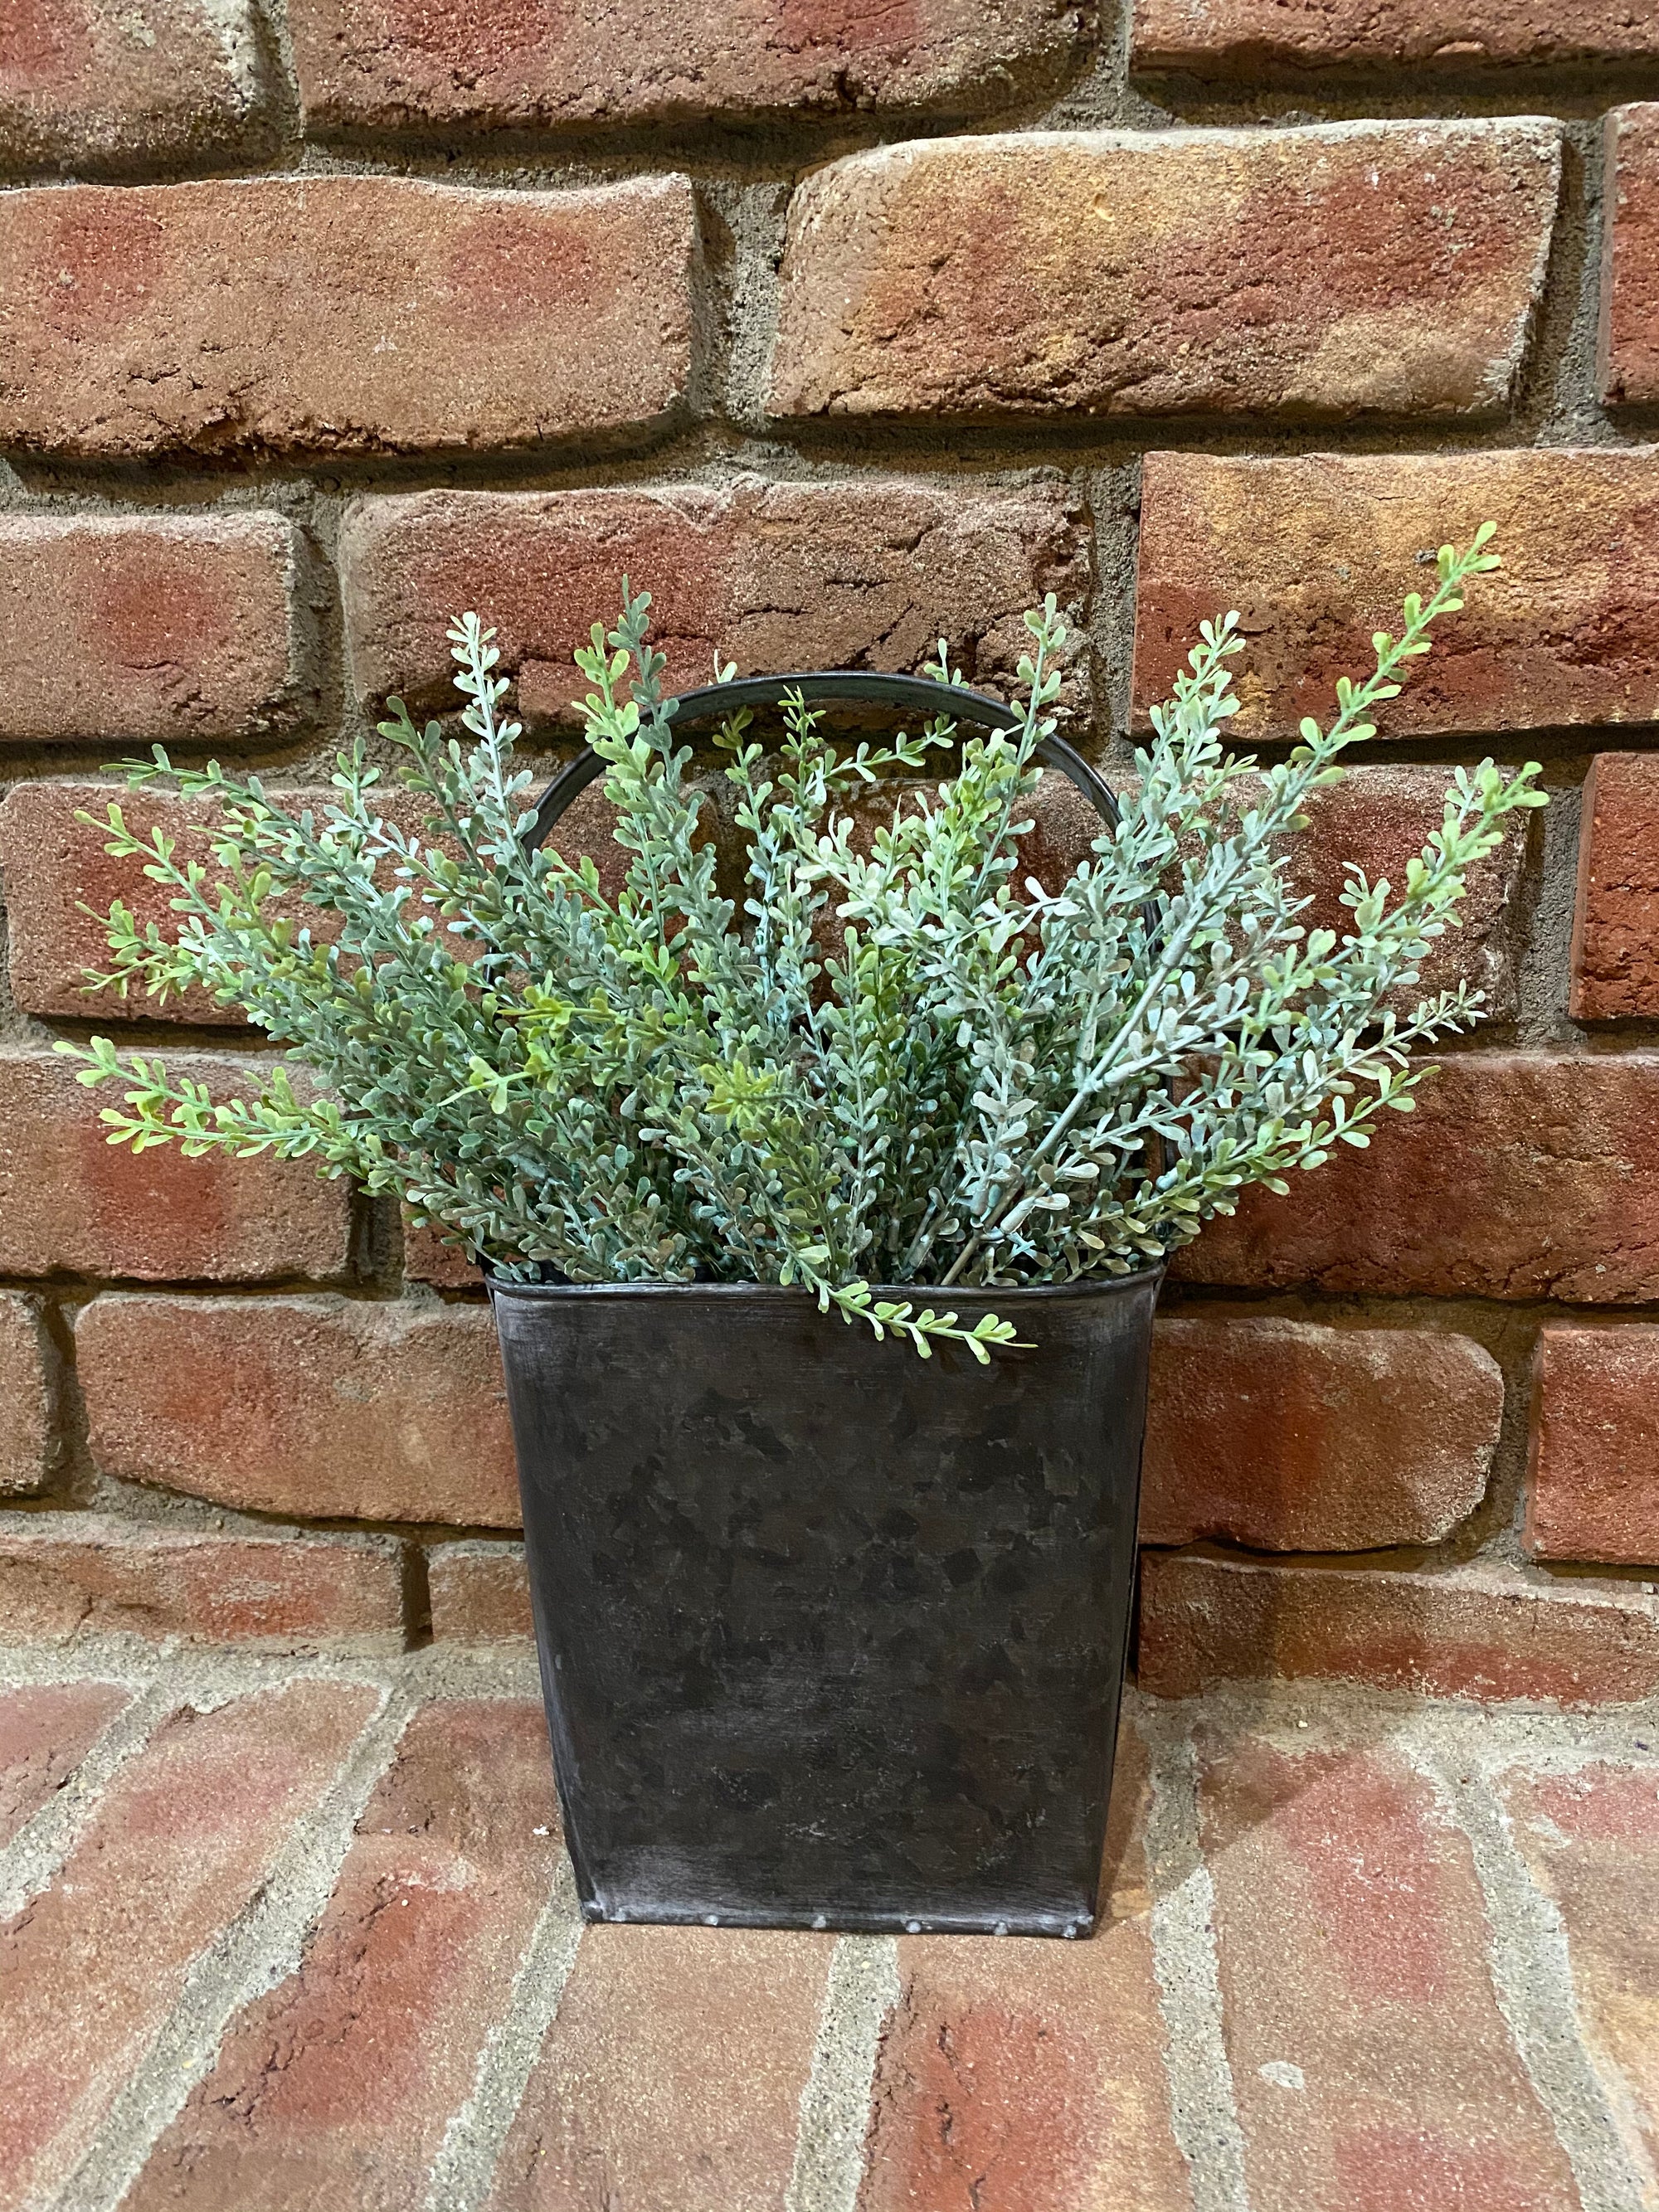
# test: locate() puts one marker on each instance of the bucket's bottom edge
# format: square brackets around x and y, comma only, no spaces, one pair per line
[1071,1926]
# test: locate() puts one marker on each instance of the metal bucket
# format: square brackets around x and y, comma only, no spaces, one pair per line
[830,1636]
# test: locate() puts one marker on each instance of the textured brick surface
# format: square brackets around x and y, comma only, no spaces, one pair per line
[1028,2074]
[643,2099]
[480,1593]
[27,1444]
[1615,935]
[780,576]
[1518,1176]
[382,65]
[182,1839]
[62,1574]
[1483,1631]
[1253,39]
[100,84]
[335,2089]
[338,313]
[44,1733]
[1593,1480]
[1317,550]
[429,1257]
[1591,1842]
[1287,1436]
[1630,258]
[1063,271]
[72,1203]
[124,631]
[322,1407]
[1358,2010]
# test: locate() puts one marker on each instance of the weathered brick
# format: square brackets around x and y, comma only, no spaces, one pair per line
[1593,1477]
[1081,272]
[124,630]
[62,1574]
[1615,929]
[1317,551]
[429,1257]
[1032,2074]
[1591,1840]
[1518,1176]
[179,1843]
[45,1731]
[1364,2034]
[332,1408]
[27,1444]
[98,85]
[480,1593]
[72,1203]
[375,64]
[335,2087]
[1286,1437]
[1630,258]
[1262,40]
[659,2102]
[779,576]
[339,313]
[1483,1631]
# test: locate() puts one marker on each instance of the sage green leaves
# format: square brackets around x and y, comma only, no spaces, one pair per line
[857,1058]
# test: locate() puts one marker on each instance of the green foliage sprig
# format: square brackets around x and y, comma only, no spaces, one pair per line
[984,1084]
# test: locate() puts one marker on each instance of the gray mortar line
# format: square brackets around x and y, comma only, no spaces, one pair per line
[859,1994]
[261,1947]
[39,1849]
[1532,1979]
[1204,2111]
[473,2140]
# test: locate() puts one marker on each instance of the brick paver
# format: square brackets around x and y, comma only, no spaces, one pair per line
[1325,1979]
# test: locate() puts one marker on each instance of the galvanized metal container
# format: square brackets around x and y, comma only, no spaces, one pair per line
[832,1636]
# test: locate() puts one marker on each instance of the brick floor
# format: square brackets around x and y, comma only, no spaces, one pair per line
[302,1934]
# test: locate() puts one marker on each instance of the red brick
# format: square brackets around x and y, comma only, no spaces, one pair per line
[1591,1840]
[72,1203]
[339,315]
[1031,2073]
[1081,272]
[181,1841]
[1286,1437]
[1283,39]
[672,2075]
[1615,930]
[1518,1176]
[1378,820]
[1370,2058]
[1317,550]
[93,85]
[1484,1632]
[430,1258]
[335,2088]
[27,1442]
[380,64]
[44,1733]
[1593,1479]
[1628,351]
[63,1574]
[480,1593]
[128,631]
[780,576]
[332,1408]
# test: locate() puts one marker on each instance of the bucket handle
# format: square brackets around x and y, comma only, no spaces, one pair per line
[846,684]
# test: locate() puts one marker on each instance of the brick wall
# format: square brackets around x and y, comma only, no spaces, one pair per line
[843,329]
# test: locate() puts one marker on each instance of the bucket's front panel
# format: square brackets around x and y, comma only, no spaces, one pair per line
[833,1634]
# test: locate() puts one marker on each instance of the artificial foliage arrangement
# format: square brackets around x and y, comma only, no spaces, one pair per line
[969,1081]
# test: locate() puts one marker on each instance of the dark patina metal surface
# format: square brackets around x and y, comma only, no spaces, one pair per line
[832,1636]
